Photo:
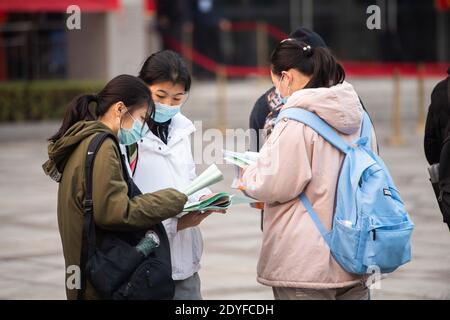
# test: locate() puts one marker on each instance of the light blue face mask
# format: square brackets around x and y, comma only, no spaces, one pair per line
[164,113]
[283,99]
[133,135]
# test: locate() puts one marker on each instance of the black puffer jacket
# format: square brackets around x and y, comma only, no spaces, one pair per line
[437,121]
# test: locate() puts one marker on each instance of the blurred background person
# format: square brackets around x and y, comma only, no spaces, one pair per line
[436,144]
[437,125]
[205,20]
[169,21]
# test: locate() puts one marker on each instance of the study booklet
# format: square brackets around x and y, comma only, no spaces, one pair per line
[208,177]
[240,161]
[219,201]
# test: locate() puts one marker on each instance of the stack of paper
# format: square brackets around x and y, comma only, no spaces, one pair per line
[242,160]
[220,201]
[209,177]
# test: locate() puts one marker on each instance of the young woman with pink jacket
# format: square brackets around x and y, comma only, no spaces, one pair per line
[295,260]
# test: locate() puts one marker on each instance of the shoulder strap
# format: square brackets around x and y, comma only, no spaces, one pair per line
[366,130]
[88,241]
[315,218]
[372,127]
[329,134]
[317,124]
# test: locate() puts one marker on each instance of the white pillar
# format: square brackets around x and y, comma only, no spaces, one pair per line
[110,43]
[126,38]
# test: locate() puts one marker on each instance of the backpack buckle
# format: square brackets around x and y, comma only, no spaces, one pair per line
[88,204]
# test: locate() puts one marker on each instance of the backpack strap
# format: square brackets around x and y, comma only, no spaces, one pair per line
[366,130]
[88,241]
[328,133]
[317,124]
[315,218]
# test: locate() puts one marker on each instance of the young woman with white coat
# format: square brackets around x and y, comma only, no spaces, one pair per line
[295,260]
[164,158]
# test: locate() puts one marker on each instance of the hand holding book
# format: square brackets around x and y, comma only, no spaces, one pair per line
[216,202]
[241,161]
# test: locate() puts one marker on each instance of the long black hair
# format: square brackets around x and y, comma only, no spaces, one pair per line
[132,91]
[163,66]
[316,62]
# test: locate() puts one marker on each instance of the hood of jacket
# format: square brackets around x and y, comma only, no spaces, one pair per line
[60,150]
[338,105]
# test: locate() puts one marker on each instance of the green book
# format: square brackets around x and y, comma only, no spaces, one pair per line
[209,177]
[241,160]
[219,201]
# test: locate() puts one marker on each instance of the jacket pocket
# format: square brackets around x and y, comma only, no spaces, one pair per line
[152,280]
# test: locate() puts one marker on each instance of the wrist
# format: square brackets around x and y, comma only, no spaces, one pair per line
[182,224]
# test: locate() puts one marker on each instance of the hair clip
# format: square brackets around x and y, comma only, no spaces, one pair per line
[288,39]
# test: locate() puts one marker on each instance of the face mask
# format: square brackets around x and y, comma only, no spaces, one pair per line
[283,99]
[164,112]
[133,135]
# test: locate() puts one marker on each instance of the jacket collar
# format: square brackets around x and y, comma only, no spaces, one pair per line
[338,105]
[179,127]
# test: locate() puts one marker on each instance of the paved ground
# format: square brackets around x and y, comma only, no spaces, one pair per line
[31,263]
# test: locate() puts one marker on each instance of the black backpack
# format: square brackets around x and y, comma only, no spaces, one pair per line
[441,183]
[113,266]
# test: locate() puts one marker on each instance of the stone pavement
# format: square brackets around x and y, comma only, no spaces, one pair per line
[31,262]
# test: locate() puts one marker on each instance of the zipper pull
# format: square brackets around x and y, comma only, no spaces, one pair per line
[441,193]
[374,234]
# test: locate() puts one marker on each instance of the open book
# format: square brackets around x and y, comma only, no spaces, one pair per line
[242,161]
[208,177]
[219,201]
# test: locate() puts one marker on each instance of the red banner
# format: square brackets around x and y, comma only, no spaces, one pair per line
[443,4]
[150,6]
[57,5]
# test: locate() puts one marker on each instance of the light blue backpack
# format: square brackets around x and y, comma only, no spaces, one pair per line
[371,228]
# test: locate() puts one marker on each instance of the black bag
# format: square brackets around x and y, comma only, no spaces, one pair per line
[112,265]
[441,183]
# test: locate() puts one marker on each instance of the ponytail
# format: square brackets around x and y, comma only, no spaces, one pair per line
[327,71]
[78,110]
[132,91]
[317,63]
